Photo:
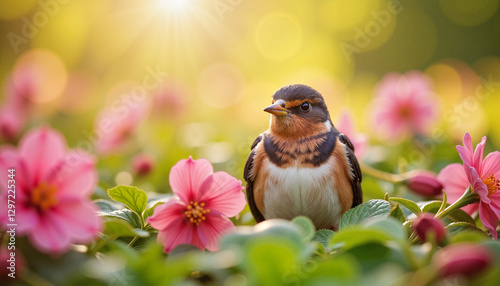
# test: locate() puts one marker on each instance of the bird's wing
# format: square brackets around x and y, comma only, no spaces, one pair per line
[356,180]
[247,175]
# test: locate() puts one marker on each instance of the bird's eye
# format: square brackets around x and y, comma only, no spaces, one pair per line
[306,107]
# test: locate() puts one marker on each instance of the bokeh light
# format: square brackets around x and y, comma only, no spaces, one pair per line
[206,69]
[44,70]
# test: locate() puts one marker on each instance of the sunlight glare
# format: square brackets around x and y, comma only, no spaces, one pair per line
[174,5]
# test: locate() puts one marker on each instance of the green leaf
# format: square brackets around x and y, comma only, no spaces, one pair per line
[106,205]
[149,211]
[323,236]
[271,261]
[134,198]
[413,207]
[494,245]
[358,235]
[398,213]
[341,270]
[456,216]
[365,211]
[469,236]
[129,216]
[456,227]
[390,225]
[115,228]
[306,225]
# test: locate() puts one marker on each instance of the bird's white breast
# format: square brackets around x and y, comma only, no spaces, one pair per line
[296,190]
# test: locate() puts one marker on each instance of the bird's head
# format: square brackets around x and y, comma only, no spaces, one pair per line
[298,111]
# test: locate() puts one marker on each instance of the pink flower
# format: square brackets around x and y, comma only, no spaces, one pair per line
[404,105]
[359,140]
[15,112]
[463,259]
[52,189]
[142,164]
[12,121]
[118,124]
[482,175]
[424,183]
[169,100]
[426,225]
[206,200]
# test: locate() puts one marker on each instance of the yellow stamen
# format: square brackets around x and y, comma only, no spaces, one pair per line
[43,196]
[196,213]
[493,184]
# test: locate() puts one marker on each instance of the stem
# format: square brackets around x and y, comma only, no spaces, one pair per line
[467,198]
[410,258]
[133,241]
[389,177]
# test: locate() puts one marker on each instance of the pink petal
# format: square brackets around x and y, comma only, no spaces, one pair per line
[197,240]
[41,149]
[468,142]
[75,176]
[477,185]
[178,232]
[222,192]
[214,228]
[465,155]
[12,121]
[455,182]
[27,218]
[79,220]
[187,176]
[166,214]
[478,155]
[49,235]
[9,158]
[488,218]
[491,165]
[345,124]
[360,145]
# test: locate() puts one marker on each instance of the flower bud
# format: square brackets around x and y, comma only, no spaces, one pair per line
[142,164]
[426,225]
[465,259]
[424,183]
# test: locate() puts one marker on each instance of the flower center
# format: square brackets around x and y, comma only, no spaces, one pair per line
[43,196]
[492,183]
[196,213]
[405,112]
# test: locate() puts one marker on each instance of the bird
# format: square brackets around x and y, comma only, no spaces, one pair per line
[302,165]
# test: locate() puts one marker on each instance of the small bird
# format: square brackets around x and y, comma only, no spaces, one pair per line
[302,165]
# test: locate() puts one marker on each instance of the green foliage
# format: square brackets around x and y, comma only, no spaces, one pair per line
[413,207]
[128,224]
[149,211]
[456,216]
[365,211]
[323,236]
[134,198]
[306,225]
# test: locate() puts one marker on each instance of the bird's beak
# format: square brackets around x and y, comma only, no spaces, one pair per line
[277,108]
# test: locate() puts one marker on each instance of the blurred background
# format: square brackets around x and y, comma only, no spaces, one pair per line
[143,84]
